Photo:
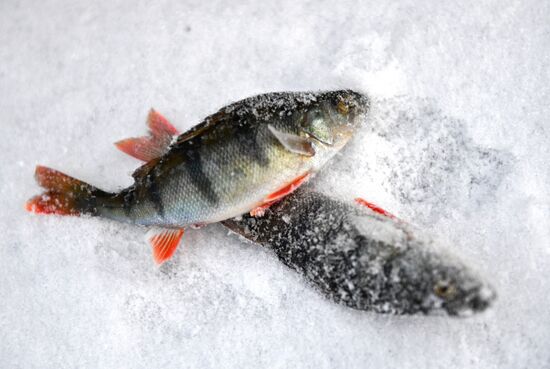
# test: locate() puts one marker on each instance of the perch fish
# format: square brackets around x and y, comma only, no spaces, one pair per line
[364,257]
[241,159]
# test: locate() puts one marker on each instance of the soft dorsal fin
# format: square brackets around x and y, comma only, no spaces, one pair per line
[160,126]
[293,143]
[201,128]
[164,243]
[161,133]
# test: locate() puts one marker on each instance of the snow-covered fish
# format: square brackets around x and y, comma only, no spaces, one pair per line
[364,257]
[240,159]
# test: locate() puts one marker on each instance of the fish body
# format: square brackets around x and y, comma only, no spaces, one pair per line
[364,257]
[229,163]
[240,159]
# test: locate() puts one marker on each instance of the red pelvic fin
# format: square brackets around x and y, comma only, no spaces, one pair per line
[279,194]
[288,189]
[64,196]
[374,208]
[165,243]
[260,210]
[155,144]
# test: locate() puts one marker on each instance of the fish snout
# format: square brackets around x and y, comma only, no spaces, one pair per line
[483,298]
[356,102]
[476,301]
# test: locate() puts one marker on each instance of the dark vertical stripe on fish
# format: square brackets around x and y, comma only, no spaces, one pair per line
[128,199]
[197,175]
[154,194]
[246,133]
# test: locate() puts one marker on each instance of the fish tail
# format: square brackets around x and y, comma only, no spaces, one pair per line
[65,195]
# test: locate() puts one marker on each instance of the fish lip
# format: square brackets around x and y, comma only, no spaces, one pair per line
[318,140]
[361,102]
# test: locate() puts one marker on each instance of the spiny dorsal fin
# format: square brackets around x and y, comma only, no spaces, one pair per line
[160,126]
[199,129]
[146,148]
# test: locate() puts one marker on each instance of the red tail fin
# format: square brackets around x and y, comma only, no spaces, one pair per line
[51,203]
[64,196]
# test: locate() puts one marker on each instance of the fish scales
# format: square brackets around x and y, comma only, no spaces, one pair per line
[230,161]
[237,160]
[365,260]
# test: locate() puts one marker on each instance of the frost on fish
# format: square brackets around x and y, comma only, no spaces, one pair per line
[240,159]
[365,260]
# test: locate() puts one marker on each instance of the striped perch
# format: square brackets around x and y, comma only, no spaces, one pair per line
[242,159]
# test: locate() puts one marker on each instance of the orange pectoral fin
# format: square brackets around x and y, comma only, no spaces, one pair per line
[374,208]
[279,194]
[165,243]
[260,210]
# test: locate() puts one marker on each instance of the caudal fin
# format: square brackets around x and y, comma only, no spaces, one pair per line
[64,195]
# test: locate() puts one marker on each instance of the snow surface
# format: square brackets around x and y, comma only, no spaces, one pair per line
[457,143]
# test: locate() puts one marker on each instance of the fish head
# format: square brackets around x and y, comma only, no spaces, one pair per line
[335,116]
[459,292]
[436,282]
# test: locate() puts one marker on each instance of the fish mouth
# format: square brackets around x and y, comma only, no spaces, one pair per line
[359,103]
[318,140]
[476,301]
[340,138]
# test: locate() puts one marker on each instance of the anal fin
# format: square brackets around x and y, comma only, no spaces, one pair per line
[164,243]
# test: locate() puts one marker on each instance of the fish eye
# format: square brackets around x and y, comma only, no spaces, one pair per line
[342,107]
[444,290]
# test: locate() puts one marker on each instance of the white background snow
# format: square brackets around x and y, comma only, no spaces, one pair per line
[457,143]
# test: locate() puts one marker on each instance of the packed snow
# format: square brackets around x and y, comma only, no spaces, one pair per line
[458,143]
